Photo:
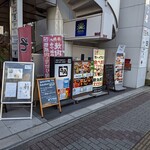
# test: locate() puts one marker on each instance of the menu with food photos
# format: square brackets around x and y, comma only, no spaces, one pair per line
[82,77]
[98,57]
[119,66]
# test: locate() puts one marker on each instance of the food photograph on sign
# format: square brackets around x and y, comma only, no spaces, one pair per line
[14,73]
[83,77]
[119,59]
[119,68]
[63,88]
[119,76]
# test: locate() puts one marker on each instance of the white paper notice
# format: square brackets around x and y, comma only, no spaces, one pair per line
[10,90]
[14,73]
[23,90]
[28,67]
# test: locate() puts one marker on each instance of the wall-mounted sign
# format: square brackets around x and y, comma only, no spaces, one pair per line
[127,65]
[81,28]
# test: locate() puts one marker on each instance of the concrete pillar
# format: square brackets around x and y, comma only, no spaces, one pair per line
[54,21]
[55,27]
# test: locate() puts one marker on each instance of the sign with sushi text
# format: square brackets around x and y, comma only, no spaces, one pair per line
[25,47]
[52,46]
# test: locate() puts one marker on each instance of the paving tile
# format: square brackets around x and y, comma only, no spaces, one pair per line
[95,106]
[4,131]
[16,113]
[80,112]
[34,131]
[99,129]
[11,140]
[16,126]
[60,120]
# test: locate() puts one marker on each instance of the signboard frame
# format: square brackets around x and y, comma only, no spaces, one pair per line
[81,76]
[17,86]
[56,63]
[99,59]
[119,68]
[48,104]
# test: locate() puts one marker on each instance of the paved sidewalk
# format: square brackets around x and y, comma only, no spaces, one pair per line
[82,128]
[117,127]
[144,143]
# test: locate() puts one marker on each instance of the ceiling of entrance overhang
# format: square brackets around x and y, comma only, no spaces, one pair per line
[84,7]
[33,10]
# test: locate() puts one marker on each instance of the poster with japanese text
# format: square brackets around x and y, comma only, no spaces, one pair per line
[98,57]
[24,89]
[52,46]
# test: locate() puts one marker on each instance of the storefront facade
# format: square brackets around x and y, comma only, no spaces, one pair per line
[114,24]
[134,32]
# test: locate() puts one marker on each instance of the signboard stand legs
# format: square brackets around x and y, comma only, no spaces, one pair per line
[48,94]
[17,89]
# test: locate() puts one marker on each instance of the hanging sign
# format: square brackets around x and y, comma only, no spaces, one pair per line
[52,46]
[25,47]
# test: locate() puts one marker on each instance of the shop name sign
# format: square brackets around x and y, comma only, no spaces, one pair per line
[80,29]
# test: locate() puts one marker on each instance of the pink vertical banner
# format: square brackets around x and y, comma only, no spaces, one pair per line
[25,47]
[52,46]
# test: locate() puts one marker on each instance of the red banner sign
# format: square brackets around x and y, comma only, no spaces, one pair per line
[52,46]
[25,47]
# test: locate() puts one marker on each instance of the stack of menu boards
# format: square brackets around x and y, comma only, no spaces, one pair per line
[82,78]
[109,76]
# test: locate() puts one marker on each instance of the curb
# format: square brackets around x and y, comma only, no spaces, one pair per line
[39,130]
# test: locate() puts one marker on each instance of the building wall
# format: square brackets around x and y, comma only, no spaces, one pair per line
[134,25]
[131,26]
